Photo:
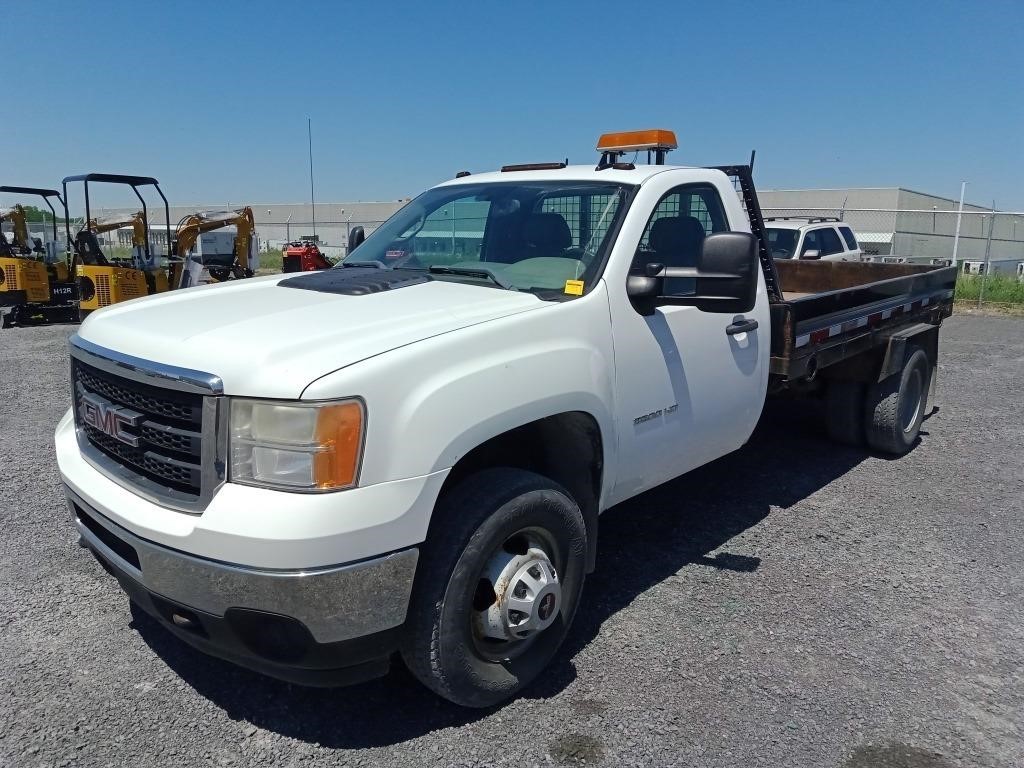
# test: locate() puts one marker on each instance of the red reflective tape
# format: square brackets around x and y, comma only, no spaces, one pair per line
[819,336]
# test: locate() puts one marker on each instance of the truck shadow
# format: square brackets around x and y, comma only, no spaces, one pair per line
[643,542]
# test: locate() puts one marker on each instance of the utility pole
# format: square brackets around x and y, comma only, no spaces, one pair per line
[988,253]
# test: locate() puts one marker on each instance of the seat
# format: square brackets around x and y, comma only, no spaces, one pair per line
[89,250]
[676,240]
[546,234]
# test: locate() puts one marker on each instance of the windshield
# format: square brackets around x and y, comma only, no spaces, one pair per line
[782,242]
[521,236]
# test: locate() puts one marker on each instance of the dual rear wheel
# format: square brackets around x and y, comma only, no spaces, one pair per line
[887,414]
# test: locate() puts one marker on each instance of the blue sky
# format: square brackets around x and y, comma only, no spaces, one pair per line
[212,98]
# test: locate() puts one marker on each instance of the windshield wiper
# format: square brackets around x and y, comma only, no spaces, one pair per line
[377,264]
[481,271]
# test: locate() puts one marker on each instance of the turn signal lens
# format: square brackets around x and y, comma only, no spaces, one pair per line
[339,433]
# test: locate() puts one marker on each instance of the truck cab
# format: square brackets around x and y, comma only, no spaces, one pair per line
[420,471]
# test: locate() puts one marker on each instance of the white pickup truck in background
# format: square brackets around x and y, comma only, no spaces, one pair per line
[827,239]
[409,452]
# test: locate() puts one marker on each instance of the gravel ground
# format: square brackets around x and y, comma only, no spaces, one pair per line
[794,604]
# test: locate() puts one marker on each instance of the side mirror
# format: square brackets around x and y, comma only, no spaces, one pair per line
[355,237]
[725,276]
[809,255]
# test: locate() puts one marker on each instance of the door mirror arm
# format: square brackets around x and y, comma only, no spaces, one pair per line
[645,291]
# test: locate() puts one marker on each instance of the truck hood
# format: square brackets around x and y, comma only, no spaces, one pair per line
[266,340]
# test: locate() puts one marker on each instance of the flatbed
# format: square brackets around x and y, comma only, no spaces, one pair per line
[833,310]
[844,320]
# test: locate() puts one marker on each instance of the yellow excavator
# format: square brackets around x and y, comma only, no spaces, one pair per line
[104,280]
[200,262]
[35,286]
[155,278]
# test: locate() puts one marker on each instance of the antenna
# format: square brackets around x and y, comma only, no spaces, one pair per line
[312,196]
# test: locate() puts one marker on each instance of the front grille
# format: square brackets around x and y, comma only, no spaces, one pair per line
[11,277]
[168,432]
[140,397]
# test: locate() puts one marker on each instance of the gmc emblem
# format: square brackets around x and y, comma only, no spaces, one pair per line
[108,418]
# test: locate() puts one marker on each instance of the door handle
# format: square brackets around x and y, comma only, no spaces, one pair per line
[741,326]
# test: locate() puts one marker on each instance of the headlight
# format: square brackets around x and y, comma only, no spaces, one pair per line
[296,446]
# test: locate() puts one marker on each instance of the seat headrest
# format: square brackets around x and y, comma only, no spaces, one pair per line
[548,232]
[676,233]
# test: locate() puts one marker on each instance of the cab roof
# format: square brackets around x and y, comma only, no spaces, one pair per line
[114,178]
[31,191]
[795,222]
[637,175]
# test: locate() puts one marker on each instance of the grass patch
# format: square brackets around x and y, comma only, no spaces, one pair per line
[999,289]
[270,262]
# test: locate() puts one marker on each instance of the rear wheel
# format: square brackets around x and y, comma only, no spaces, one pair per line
[894,407]
[844,411]
[498,583]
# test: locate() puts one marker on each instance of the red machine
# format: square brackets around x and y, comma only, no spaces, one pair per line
[304,256]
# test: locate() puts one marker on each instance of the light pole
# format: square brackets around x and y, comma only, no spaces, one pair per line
[288,228]
[348,227]
[959,216]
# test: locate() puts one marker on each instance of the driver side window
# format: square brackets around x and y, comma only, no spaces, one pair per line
[811,243]
[676,230]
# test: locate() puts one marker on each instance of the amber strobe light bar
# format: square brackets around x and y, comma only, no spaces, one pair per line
[613,145]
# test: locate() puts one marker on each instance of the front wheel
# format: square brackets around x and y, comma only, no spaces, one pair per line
[498,583]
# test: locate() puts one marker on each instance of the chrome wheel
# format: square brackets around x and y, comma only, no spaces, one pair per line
[910,403]
[518,595]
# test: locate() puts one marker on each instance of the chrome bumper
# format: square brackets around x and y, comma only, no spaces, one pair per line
[336,603]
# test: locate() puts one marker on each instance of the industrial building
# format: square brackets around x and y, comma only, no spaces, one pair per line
[893,221]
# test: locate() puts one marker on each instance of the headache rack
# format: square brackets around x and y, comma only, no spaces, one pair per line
[743,181]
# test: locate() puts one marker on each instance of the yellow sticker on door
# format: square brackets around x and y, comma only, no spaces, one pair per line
[574,287]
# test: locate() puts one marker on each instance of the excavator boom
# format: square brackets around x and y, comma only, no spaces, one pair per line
[191,227]
[137,221]
[19,222]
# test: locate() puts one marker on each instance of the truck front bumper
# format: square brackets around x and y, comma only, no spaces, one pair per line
[272,621]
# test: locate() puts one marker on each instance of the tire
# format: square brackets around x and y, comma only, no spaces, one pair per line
[894,408]
[476,527]
[844,412]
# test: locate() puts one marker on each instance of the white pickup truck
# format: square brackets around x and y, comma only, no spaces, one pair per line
[409,453]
